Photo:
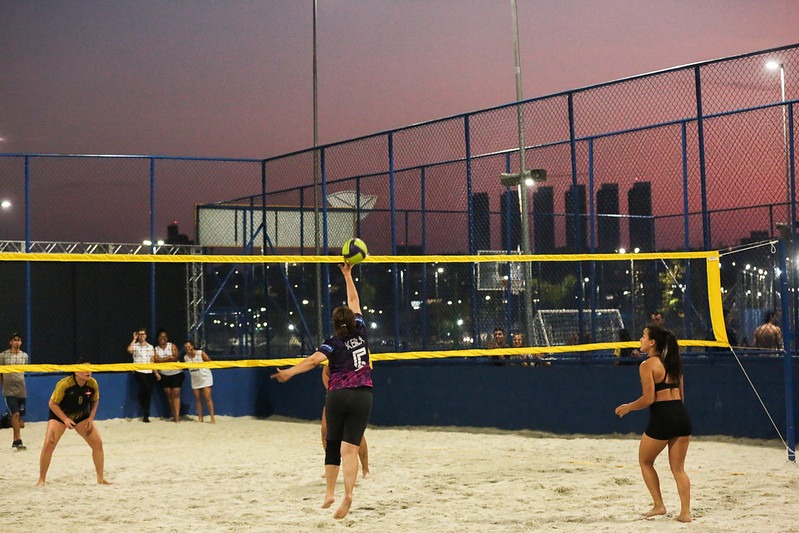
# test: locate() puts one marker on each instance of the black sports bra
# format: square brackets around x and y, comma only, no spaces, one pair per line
[663,385]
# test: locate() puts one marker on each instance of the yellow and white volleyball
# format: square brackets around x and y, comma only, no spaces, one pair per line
[354,251]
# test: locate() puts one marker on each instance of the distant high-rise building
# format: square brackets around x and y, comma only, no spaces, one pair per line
[173,235]
[544,220]
[574,242]
[642,225]
[511,223]
[607,224]
[482,221]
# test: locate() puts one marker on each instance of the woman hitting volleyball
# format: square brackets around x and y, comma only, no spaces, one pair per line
[669,424]
[348,402]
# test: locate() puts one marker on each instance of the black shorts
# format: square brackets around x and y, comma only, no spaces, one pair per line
[172,382]
[668,420]
[16,405]
[52,416]
[347,413]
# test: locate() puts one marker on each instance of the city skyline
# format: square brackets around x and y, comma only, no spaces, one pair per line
[205,80]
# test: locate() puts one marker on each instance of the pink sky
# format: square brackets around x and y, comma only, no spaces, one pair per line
[233,79]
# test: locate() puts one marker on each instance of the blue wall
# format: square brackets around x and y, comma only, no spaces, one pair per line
[563,398]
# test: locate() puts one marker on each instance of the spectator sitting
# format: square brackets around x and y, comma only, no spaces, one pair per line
[498,341]
[625,355]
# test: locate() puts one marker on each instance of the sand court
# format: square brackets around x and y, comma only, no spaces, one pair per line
[247,474]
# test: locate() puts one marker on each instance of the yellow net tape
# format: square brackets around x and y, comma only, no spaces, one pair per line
[713,293]
[488,258]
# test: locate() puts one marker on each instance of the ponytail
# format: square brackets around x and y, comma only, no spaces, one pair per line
[666,345]
[671,357]
[344,321]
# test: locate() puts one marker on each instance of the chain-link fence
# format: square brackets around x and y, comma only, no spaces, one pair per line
[695,157]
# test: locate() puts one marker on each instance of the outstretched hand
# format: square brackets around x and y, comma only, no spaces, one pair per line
[346,268]
[282,376]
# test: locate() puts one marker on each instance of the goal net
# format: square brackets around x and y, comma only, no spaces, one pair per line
[560,327]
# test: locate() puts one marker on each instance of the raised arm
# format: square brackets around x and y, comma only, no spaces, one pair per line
[353,302]
[132,343]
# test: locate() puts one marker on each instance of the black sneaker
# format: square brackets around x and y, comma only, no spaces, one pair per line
[146,419]
[17,444]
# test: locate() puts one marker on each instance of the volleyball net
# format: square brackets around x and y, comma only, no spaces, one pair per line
[270,310]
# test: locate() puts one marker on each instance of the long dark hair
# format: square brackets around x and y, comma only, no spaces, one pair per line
[666,345]
[344,321]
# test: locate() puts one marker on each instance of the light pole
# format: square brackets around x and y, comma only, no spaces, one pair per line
[523,179]
[316,182]
[774,65]
[5,205]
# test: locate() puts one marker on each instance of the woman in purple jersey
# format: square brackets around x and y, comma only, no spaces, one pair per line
[348,403]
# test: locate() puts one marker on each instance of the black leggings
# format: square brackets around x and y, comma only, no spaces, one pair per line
[145,391]
[347,412]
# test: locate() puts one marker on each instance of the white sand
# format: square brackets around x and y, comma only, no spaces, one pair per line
[245,474]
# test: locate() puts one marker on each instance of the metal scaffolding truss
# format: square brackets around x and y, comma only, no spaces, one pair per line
[53,247]
[195,297]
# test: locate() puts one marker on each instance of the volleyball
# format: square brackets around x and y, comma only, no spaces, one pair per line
[354,251]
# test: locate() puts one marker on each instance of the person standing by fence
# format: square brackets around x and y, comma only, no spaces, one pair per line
[14,388]
[143,352]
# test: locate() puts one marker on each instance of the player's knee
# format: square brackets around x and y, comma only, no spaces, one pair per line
[333,453]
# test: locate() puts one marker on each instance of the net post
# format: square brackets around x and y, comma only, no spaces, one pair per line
[787,340]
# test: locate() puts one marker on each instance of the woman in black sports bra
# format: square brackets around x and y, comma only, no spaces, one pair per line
[669,425]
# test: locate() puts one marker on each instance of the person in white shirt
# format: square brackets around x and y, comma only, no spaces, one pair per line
[143,352]
[171,380]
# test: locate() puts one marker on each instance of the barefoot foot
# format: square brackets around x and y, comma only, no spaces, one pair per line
[656,511]
[40,483]
[344,508]
[684,517]
[328,501]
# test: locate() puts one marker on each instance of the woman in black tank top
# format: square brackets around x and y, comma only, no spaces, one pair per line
[669,425]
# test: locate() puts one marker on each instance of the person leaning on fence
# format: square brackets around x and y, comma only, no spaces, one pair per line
[768,335]
[626,355]
[14,387]
[171,380]
[656,319]
[534,359]
[202,380]
[498,340]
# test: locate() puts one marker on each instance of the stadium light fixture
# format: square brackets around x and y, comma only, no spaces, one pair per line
[5,204]
[777,65]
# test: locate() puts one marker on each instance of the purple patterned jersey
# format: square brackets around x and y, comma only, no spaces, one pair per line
[348,359]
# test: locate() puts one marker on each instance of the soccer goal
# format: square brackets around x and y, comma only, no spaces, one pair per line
[559,327]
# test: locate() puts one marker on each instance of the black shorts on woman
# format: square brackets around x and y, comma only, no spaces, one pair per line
[667,420]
